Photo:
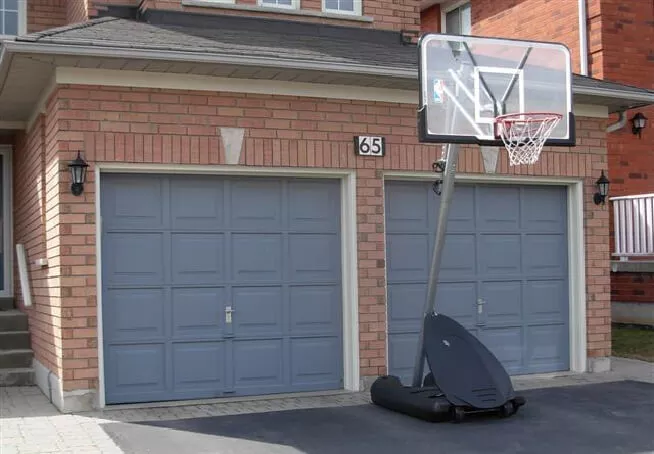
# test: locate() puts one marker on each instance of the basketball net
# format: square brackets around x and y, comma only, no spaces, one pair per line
[525,134]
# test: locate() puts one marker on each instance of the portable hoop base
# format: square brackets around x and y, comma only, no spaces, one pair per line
[525,134]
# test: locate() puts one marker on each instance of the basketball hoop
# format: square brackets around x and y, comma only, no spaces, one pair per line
[525,134]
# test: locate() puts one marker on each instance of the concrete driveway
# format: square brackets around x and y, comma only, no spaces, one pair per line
[598,412]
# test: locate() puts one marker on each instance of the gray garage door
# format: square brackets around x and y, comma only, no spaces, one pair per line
[504,272]
[178,252]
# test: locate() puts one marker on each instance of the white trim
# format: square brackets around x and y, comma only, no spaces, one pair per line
[351,372]
[41,103]
[142,79]
[273,9]
[356,9]
[446,7]
[7,220]
[295,4]
[576,249]
[22,21]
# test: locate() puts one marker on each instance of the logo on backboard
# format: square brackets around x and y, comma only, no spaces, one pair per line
[438,91]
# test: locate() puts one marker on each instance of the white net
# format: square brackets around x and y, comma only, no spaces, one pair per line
[524,135]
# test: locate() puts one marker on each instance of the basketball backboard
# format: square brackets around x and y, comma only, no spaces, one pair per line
[467,81]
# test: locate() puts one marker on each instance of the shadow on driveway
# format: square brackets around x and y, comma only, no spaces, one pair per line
[599,418]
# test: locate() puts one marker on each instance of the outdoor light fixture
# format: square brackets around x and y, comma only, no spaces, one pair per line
[638,121]
[78,173]
[602,189]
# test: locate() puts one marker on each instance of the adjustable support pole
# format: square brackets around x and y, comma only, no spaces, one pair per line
[437,254]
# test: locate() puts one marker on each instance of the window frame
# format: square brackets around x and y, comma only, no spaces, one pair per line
[356,8]
[295,4]
[22,21]
[451,6]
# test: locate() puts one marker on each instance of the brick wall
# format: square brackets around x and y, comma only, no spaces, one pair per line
[44,14]
[632,287]
[157,126]
[386,14]
[541,20]
[430,19]
[35,216]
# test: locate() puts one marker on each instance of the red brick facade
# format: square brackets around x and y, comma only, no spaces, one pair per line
[155,126]
[45,14]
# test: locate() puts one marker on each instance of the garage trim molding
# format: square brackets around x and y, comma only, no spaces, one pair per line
[576,255]
[351,375]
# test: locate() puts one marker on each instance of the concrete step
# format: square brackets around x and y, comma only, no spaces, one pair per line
[16,358]
[6,304]
[13,320]
[10,340]
[22,376]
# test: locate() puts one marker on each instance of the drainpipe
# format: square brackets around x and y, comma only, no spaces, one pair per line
[622,120]
[583,38]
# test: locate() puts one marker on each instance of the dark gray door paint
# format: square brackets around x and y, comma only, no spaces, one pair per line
[179,251]
[504,274]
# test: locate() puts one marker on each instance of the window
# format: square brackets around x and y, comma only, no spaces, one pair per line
[458,20]
[342,6]
[279,3]
[12,17]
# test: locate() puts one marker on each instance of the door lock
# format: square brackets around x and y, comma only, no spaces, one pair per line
[228,314]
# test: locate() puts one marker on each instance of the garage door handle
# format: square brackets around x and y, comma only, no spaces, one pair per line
[228,314]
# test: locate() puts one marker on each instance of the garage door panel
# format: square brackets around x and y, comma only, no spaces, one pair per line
[313,257]
[316,360]
[457,300]
[498,208]
[129,203]
[543,209]
[459,257]
[256,205]
[503,302]
[198,366]
[408,257]
[197,203]
[545,347]
[405,304]
[198,258]
[313,206]
[506,344]
[198,312]
[134,258]
[401,355]
[544,255]
[545,300]
[499,255]
[462,214]
[136,368]
[314,310]
[135,314]
[256,257]
[258,311]
[406,208]
[258,363]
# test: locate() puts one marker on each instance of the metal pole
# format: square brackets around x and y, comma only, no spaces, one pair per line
[437,254]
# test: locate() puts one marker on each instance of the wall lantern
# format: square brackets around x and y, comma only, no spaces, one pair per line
[602,189]
[639,121]
[78,174]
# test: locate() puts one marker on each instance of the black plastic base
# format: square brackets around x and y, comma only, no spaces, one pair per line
[428,402]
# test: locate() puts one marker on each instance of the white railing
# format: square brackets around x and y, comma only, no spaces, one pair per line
[633,220]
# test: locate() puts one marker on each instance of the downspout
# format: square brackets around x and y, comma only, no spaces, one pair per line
[619,124]
[583,38]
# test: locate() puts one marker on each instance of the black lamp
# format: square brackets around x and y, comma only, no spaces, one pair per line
[639,121]
[602,189]
[78,174]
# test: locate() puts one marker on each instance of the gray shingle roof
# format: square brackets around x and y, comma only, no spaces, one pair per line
[256,37]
